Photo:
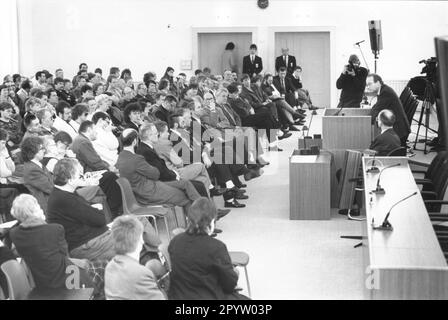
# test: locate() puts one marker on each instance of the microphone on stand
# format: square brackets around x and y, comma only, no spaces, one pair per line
[358,43]
[373,168]
[379,189]
[338,112]
[386,226]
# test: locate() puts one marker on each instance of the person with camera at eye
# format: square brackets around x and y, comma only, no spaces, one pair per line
[352,81]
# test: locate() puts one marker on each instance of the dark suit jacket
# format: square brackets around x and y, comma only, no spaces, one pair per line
[251,97]
[154,160]
[80,220]
[162,114]
[385,143]
[388,99]
[251,68]
[86,154]
[296,83]
[230,114]
[45,251]
[288,85]
[201,268]
[39,181]
[279,62]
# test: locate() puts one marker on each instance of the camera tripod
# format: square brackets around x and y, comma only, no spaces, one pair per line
[428,100]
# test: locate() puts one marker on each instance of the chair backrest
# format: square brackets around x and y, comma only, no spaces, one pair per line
[397,152]
[351,167]
[16,277]
[441,180]
[129,202]
[405,95]
[435,164]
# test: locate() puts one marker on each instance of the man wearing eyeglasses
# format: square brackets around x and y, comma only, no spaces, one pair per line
[46,119]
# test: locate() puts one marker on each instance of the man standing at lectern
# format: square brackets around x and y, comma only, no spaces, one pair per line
[388,99]
[352,81]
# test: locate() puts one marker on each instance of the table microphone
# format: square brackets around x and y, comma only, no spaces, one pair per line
[358,43]
[379,189]
[373,168]
[339,111]
[386,226]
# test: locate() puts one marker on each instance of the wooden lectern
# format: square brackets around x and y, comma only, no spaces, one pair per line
[346,129]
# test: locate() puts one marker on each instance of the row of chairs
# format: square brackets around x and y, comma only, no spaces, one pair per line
[21,285]
[434,186]
[154,212]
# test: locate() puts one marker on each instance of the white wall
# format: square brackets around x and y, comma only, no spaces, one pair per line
[152,34]
[9,58]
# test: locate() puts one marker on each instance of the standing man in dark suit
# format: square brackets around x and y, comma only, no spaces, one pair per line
[388,140]
[388,99]
[252,64]
[287,61]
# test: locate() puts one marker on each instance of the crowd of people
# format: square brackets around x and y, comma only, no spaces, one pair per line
[65,142]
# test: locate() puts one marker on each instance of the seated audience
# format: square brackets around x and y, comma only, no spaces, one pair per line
[85,225]
[201,268]
[164,111]
[7,166]
[164,148]
[106,144]
[46,122]
[126,278]
[64,115]
[132,116]
[43,247]
[10,125]
[56,148]
[36,177]
[149,137]
[144,178]
[80,113]
[82,146]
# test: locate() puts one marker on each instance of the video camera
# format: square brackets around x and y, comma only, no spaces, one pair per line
[430,68]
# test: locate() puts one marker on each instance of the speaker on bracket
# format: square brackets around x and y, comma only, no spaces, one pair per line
[376,38]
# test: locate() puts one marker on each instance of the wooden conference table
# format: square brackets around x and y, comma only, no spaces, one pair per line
[407,262]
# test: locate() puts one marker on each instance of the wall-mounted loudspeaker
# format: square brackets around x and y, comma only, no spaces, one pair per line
[376,38]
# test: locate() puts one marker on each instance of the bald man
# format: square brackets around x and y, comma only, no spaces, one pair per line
[287,61]
[352,81]
[388,140]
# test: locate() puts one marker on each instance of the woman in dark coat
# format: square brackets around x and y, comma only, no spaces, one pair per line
[201,265]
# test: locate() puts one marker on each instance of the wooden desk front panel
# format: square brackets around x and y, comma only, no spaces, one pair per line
[309,189]
[345,132]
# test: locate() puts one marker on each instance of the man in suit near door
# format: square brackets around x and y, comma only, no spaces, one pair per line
[285,60]
[252,64]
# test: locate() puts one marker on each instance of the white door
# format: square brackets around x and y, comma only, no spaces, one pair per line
[212,45]
[312,52]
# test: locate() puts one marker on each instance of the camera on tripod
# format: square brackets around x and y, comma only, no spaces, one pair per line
[430,68]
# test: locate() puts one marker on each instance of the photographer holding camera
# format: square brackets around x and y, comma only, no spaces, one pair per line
[352,81]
